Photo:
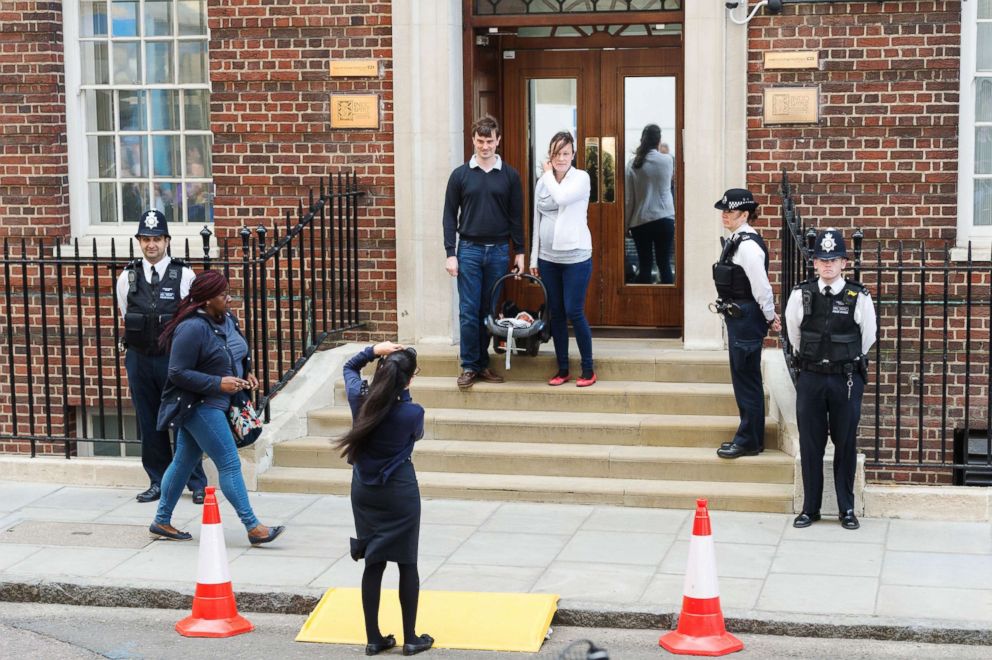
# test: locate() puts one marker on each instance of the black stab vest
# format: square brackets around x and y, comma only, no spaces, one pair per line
[148,309]
[829,334]
[730,278]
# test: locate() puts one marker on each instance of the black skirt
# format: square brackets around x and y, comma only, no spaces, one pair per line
[387,518]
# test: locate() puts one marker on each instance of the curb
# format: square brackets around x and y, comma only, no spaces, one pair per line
[285,602]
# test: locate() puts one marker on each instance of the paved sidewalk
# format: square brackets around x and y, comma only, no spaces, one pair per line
[599,559]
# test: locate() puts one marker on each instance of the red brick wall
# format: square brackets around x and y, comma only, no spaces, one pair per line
[882,158]
[270,113]
[34,194]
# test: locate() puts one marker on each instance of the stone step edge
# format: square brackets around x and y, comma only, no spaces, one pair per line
[100,593]
[539,449]
[479,481]
[601,388]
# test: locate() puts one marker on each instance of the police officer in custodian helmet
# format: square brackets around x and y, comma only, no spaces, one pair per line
[148,293]
[747,303]
[831,324]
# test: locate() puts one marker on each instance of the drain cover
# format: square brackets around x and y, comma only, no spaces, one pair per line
[90,535]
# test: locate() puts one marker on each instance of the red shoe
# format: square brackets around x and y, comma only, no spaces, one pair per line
[558,379]
[585,382]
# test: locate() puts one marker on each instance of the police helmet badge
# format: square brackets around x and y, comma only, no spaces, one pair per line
[150,220]
[827,244]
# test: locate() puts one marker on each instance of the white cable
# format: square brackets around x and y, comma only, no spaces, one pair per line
[757,7]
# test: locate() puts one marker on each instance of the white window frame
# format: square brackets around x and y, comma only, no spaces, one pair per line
[967,231]
[78,151]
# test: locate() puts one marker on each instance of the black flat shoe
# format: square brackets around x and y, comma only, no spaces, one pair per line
[423,643]
[153,493]
[848,520]
[273,533]
[199,496]
[155,529]
[736,451]
[727,445]
[376,648]
[805,519]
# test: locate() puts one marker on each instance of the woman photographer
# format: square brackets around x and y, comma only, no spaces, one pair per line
[385,497]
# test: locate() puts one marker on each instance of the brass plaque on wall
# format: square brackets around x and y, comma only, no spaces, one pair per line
[792,105]
[355,68]
[795,59]
[354,111]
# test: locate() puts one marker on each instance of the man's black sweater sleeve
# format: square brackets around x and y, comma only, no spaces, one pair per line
[452,201]
[516,212]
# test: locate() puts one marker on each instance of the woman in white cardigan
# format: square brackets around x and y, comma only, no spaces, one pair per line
[562,253]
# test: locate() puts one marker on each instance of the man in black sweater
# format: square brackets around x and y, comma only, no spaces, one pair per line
[483,205]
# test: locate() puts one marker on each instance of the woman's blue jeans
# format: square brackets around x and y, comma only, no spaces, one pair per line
[206,430]
[567,285]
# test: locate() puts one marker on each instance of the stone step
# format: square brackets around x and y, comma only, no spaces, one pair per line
[560,427]
[605,397]
[611,364]
[562,460]
[736,496]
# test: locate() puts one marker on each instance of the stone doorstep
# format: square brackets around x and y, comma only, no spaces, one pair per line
[518,458]
[95,593]
[773,498]
[560,427]
[606,397]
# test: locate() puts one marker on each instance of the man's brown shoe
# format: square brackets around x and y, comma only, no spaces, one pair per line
[466,380]
[489,376]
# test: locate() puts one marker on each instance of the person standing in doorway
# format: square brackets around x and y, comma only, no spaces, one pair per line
[747,303]
[832,325]
[649,210]
[148,294]
[483,207]
[562,253]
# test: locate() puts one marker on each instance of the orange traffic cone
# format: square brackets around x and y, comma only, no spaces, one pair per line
[701,630]
[215,614]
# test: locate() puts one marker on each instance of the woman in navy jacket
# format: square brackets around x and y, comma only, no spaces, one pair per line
[385,497]
[208,362]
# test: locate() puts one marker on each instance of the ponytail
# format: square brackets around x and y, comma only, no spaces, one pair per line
[650,139]
[392,376]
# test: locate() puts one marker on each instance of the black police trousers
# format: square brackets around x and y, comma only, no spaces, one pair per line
[147,376]
[744,337]
[822,404]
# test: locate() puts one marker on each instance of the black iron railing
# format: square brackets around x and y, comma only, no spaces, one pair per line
[927,406]
[60,334]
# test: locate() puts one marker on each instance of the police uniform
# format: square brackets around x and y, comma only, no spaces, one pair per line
[148,296]
[832,326]
[747,303]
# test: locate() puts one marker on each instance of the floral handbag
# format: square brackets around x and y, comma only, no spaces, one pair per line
[246,425]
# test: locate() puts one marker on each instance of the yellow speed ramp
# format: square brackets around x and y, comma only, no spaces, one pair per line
[455,619]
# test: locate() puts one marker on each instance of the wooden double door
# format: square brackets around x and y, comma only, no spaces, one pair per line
[605,97]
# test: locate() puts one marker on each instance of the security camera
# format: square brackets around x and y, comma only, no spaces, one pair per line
[774,7]
[731,5]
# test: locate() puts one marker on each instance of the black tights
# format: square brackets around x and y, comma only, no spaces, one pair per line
[409,595]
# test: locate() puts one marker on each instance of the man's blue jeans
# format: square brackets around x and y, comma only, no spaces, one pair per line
[567,285]
[206,430]
[479,266]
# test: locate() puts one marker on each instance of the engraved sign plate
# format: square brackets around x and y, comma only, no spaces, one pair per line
[354,111]
[795,59]
[355,68]
[792,105]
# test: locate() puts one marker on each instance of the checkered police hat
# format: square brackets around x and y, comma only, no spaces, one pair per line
[737,199]
[152,223]
[829,245]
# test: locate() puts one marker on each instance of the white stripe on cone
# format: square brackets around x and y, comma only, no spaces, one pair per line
[700,574]
[212,567]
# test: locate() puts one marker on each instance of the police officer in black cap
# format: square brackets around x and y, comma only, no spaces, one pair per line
[747,303]
[831,324]
[148,293]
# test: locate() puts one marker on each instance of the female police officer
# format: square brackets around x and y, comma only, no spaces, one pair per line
[831,324]
[748,307]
